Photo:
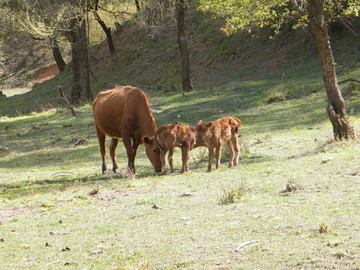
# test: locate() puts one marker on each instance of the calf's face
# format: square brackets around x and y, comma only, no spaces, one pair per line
[152,152]
[201,129]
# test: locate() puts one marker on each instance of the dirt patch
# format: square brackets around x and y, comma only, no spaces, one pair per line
[111,195]
[45,74]
[14,212]
[114,194]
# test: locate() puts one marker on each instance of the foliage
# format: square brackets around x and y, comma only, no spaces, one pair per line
[247,14]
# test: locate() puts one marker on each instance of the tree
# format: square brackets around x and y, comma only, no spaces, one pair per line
[58,56]
[182,41]
[244,14]
[159,15]
[76,31]
[51,21]
[336,105]
[107,30]
[36,20]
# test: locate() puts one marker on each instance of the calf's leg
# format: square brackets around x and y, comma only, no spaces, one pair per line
[162,160]
[211,156]
[235,143]
[218,155]
[170,158]
[185,149]
[231,153]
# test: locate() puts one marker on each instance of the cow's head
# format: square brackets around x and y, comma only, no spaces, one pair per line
[201,129]
[152,151]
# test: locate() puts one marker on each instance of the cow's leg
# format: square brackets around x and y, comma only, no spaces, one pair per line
[211,157]
[170,158]
[130,153]
[162,160]
[218,155]
[185,149]
[101,139]
[135,147]
[113,144]
[235,143]
[231,153]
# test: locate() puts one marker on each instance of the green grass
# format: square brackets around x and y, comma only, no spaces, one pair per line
[50,220]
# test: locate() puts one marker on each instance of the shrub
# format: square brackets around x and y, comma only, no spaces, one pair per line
[233,194]
[276,96]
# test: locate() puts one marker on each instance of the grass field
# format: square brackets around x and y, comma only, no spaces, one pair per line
[58,212]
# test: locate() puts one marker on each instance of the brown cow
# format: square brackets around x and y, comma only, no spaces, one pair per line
[172,135]
[215,134]
[124,112]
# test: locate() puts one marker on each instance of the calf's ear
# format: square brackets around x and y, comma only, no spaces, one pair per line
[209,124]
[147,139]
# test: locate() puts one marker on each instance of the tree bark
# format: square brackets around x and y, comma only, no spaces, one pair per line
[182,41]
[137,4]
[336,109]
[58,56]
[107,31]
[80,62]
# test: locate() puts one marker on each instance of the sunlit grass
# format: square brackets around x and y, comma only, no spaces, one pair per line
[9,92]
[59,211]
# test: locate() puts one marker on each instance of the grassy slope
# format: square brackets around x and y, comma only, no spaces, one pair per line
[46,182]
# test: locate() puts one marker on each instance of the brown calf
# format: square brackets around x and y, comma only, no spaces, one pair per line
[235,124]
[124,112]
[215,134]
[170,136]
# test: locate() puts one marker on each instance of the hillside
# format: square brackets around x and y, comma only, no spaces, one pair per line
[290,62]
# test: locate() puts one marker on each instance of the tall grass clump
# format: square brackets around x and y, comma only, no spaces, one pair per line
[233,194]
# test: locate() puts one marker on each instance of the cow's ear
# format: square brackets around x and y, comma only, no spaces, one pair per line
[147,140]
[209,124]
[200,122]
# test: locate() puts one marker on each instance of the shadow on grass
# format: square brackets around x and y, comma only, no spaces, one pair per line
[51,157]
[61,183]
[246,100]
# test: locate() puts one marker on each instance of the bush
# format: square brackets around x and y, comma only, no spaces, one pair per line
[233,194]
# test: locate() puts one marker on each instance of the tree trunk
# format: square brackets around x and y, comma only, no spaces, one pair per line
[181,38]
[107,31]
[336,105]
[137,4]
[57,56]
[80,62]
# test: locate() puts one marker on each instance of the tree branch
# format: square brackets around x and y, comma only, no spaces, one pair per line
[66,101]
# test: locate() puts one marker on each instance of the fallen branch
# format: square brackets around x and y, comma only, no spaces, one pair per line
[349,80]
[245,244]
[66,101]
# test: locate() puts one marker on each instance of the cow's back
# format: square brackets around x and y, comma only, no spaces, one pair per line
[122,108]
